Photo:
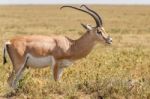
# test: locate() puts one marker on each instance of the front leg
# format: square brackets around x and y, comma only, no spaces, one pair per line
[57,72]
[59,66]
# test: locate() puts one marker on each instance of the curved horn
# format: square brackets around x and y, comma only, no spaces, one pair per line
[96,20]
[100,19]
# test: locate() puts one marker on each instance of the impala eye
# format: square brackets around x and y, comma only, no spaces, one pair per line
[99,32]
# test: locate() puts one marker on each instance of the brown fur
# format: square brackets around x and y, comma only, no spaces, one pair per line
[60,47]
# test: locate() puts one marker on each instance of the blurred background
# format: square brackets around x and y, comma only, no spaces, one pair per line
[140,2]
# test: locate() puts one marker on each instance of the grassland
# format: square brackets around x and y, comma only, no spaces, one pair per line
[120,71]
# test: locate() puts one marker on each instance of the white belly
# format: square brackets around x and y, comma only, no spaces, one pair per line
[40,61]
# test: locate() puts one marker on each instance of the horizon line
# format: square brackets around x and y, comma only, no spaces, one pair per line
[74,3]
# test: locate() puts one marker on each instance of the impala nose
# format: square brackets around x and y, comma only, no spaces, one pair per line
[109,40]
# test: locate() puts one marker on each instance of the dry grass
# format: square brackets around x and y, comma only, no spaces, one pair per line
[120,71]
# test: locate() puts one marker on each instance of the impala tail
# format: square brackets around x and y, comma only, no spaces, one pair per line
[4,53]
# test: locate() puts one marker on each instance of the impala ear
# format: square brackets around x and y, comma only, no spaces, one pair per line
[87,27]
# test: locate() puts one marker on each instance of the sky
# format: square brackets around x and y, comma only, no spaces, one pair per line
[147,2]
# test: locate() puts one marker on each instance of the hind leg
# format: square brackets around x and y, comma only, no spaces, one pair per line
[10,78]
[18,74]
[14,77]
[17,71]
[18,61]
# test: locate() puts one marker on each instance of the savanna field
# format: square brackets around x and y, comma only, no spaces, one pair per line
[119,71]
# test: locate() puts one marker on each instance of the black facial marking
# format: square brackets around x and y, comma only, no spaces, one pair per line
[99,32]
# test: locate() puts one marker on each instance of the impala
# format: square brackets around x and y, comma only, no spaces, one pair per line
[39,51]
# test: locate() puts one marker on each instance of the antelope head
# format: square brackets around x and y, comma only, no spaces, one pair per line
[98,31]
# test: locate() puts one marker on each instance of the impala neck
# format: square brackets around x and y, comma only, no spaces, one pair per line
[82,46]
